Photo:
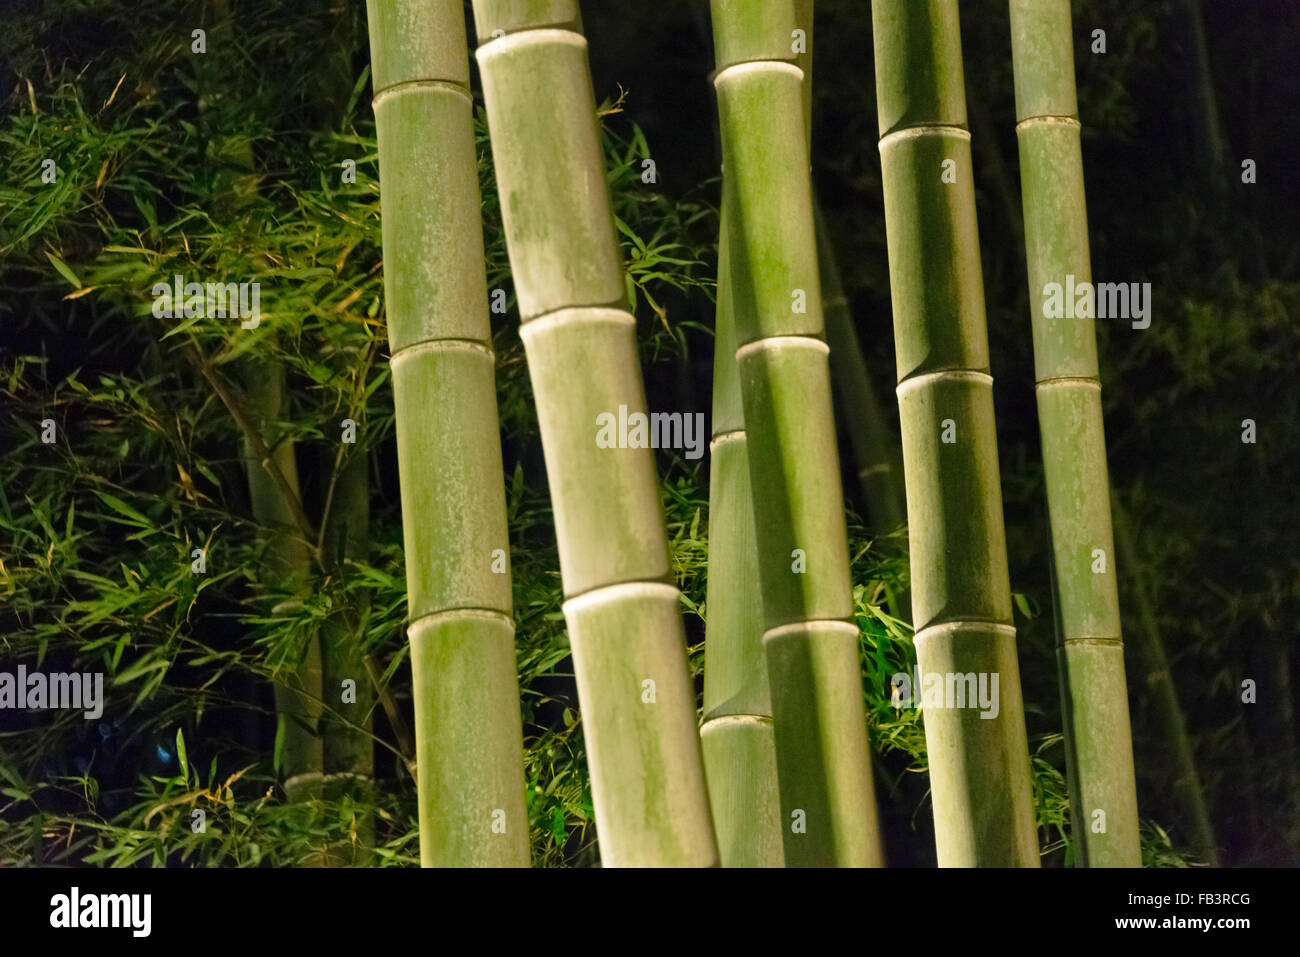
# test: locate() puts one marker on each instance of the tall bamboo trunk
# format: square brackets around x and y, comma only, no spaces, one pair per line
[349,696]
[875,452]
[828,809]
[625,628]
[1186,783]
[289,565]
[737,734]
[469,736]
[289,556]
[1103,795]
[961,600]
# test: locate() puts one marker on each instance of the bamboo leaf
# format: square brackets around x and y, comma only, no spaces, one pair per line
[63,269]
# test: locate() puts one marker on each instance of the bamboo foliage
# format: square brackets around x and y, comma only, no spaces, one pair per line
[625,629]
[828,809]
[961,601]
[1103,796]
[469,749]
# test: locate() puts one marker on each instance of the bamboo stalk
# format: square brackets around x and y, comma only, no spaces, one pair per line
[1103,801]
[348,750]
[961,599]
[737,734]
[289,563]
[272,472]
[625,628]
[468,729]
[1187,781]
[823,759]
[875,451]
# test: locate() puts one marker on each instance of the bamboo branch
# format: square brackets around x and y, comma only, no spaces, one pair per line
[254,438]
[338,458]
[305,529]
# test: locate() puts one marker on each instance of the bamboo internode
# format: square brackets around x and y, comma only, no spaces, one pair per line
[625,627]
[1103,798]
[828,811]
[468,730]
[961,598]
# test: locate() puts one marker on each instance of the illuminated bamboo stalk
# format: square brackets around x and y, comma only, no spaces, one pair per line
[875,452]
[737,734]
[828,811]
[961,598]
[625,627]
[469,749]
[1103,795]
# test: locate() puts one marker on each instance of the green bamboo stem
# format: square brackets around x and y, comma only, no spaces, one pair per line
[1103,793]
[468,730]
[737,734]
[625,628]
[875,455]
[346,738]
[827,800]
[961,600]
[273,481]
[288,564]
[1159,678]
[1212,142]
[345,726]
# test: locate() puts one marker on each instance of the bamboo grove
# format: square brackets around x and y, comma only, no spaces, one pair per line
[784,730]
[535,601]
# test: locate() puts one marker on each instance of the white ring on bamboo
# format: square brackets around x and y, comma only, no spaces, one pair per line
[772,342]
[950,375]
[299,778]
[573,315]
[413,86]
[1048,120]
[436,618]
[603,594]
[756,66]
[823,624]
[945,627]
[1060,381]
[916,132]
[731,435]
[441,345]
[524,38]
[724,719]
[1099,640]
